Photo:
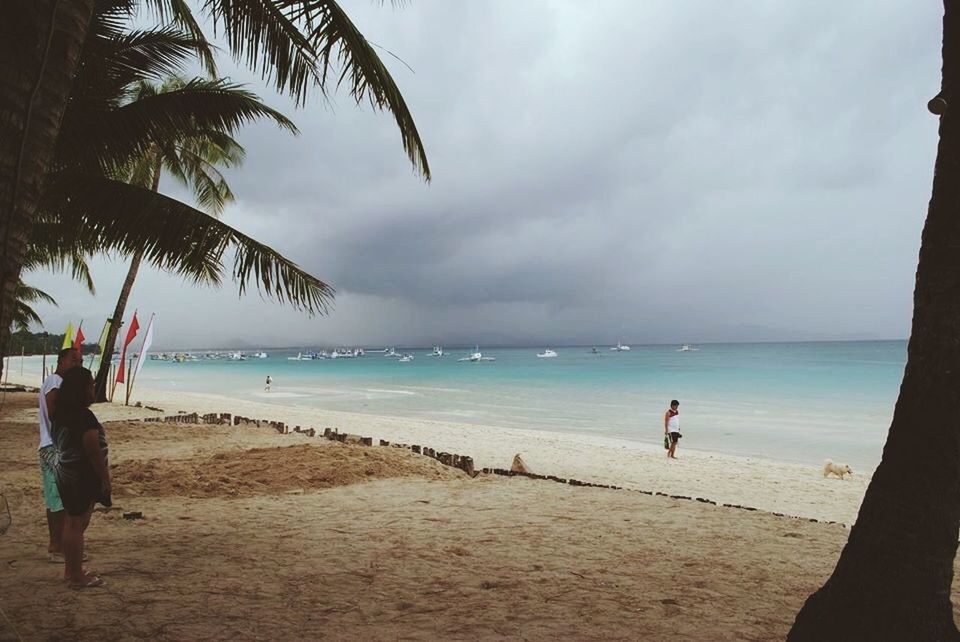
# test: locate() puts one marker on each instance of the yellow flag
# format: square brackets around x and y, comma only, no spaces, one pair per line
[67,336]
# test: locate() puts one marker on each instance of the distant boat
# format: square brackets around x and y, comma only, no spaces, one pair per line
[620,348]
[476,356]
[546,354]
[407,358]
[686,347]
[260,354]
[390,352]
[299,357]
[237,356]
[594,350]
[437,351]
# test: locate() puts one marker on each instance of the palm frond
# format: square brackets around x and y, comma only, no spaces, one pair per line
[210,188]
[174,236]
[110,138]
[262,34]
[337,39]
[31,294]
[151,54]
[23,313]
[179,13]
[51,252]
[296,43]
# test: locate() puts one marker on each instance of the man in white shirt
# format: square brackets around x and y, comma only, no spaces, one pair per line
[671,428]
[66,359]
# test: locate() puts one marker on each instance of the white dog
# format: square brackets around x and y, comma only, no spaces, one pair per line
[836,469]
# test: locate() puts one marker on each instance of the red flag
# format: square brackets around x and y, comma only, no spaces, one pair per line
[79,338]
[131,333]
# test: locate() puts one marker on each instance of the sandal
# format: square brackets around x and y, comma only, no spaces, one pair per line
[92,581]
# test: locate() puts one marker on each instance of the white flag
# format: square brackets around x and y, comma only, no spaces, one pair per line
[147,340]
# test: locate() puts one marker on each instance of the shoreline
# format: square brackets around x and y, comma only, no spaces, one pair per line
[774,486]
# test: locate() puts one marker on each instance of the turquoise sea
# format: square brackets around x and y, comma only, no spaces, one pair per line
[799,402]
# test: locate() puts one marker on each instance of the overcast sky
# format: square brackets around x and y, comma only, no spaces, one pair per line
[676,171]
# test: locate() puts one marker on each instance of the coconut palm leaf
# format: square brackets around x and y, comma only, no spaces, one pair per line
[23,313]
[116,216]
[179,13]
[110,137]
[51,252]
[339,42]
[262,35]
[193,166]
[296,43]
[153,54]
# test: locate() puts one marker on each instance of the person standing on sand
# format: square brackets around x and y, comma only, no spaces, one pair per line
[83,471]
[269,383]
[66,359]
[671,427]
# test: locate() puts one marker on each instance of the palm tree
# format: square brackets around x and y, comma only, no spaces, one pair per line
[24,315]
[291,43]
[194,162]
[893,578]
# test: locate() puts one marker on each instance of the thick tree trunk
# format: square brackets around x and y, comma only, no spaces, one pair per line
[115,322]
[41,44]
[117,319]
[893,579]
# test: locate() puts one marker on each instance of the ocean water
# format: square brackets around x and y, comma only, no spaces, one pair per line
[798,402]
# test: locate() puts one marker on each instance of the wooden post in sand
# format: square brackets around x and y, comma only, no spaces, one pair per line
[128,386]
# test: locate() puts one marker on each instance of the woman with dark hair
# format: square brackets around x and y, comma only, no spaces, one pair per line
[83,476]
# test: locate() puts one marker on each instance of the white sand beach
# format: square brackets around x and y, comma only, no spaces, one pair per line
[251,534]
[778,487]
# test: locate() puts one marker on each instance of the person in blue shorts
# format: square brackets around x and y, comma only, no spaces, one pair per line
[67,358]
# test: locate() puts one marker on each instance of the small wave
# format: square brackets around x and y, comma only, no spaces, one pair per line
[389,392]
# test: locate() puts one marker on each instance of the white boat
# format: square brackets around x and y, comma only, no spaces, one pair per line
[390,352]
[437,351]
[299,357]
[594,351]
[620,348]
[260,354]
[546,354]
[407,358]
[686,347]
[476,356]
[237,356]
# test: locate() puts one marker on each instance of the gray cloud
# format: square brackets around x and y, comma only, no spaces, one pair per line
[657,171]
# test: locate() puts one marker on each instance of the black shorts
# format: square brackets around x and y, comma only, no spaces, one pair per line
[79,492]
[674,437]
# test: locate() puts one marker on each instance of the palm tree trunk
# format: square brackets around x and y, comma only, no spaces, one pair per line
[115,322]
[34,90]
[117,319]
[893,579]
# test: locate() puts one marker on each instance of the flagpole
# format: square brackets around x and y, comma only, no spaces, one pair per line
[143,351]
[129,385]
[131,333]
[100,342]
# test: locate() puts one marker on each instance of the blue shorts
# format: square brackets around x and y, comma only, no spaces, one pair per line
[51,496]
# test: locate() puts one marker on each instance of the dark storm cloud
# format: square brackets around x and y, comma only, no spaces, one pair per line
[657,170]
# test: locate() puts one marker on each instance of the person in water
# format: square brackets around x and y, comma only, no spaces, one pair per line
[671,427]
